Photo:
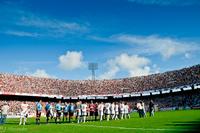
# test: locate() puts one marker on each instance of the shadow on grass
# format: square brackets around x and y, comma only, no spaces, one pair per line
[191,126]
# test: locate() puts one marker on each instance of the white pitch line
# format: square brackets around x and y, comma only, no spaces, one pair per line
[130,128]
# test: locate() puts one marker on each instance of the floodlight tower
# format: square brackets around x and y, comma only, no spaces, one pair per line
[93,67]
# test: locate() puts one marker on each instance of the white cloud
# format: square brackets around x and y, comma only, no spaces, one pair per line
[51,25]
[187,55]
[41,73]
[43,25]
[131,62]
[22,33]
[112,70]
[135,65]
[140,71]
[167,2]
[21,70]
[165,46]
[155,68]
[71,60]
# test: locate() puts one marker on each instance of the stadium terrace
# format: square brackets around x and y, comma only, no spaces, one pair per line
[134,86]
[113,99]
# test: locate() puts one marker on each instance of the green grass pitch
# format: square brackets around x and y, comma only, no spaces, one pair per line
[170,121]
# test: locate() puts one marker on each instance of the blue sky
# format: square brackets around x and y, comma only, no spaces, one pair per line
[57,38]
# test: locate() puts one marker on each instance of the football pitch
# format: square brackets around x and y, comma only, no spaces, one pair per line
[170,121]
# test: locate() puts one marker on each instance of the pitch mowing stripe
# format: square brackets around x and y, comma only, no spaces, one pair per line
[130,128]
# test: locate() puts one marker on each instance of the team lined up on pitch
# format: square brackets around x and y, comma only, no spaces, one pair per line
[82,111]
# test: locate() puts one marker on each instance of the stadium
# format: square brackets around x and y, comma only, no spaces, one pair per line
[99,66]
[171,91]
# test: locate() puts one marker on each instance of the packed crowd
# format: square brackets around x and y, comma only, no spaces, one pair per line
[169,79]
[25,84]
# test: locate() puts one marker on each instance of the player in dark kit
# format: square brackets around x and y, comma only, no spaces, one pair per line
[92,111]
[38,111]
[151,108]
[71,111]
[65,111]
[96,110]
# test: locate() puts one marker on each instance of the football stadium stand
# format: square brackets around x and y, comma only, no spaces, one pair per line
[170,90]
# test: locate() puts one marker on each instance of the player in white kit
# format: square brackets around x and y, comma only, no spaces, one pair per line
[116,111]
[126,111]
[107,111]
[78,111]
[24,113]
[113,110]
[122,110]
[144,110]
[84,111]
[100,110]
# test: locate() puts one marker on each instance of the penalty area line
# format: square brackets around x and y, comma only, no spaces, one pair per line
[130,128]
